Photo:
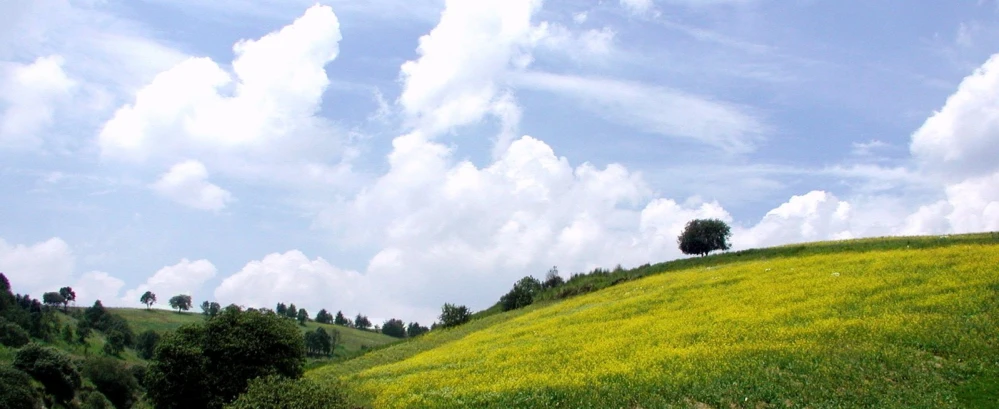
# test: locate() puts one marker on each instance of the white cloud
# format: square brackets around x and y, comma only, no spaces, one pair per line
[656,109]
[867,148]
[29,96]
[259,121]
[187,183]
[97,285]
[638,6]
[186,277]
[38,268]
[292,277]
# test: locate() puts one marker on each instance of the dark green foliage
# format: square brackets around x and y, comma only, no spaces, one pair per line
[281,309]
[340,319]
[148,298]
[303,317]
[82,331]
[67,333]
[324,317]
[96,400]
[12,335]
[53,299]
[552,279]
[362,322]
[394,328]
[210,309]
[15,389]
[414,329]
[454,315]
[139,372]
[522,294]
[702,236]
[207,365]
[281,393]
[51,367]
[68,296]
[145,343]
[292,312]
[93,314]
[4,283]
[180,302]
[113,379]
[319,342]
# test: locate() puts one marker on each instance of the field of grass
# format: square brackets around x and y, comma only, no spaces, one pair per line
[853,324]
[352,340]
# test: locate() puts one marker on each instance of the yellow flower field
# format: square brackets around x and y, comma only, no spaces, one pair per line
[899,328]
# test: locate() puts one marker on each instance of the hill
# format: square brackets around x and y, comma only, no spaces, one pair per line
[906,322]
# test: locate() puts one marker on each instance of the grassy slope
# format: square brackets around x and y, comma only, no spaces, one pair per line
[161,320]
[909,322]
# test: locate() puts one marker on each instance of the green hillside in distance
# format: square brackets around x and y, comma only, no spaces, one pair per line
[885,323]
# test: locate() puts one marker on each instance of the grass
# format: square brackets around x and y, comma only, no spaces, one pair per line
[892,323]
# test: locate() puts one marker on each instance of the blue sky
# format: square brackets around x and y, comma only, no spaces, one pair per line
[389,156]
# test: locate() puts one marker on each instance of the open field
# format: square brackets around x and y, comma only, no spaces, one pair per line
[870,323]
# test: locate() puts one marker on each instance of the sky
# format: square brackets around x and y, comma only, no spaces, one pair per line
[388,156]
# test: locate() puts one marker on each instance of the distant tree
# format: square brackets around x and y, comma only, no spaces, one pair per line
[180,302]
[114,342]
[113,380]
[53,299]
[324,317]
[340,319]
[281,309]
[522,294]
[12,335]
[702,236]
[68,295]
[93,314]
[552,279]
[148,298]
[394,328]
[208,364]
[292,311]
[95,400]
[361,322]
[17,391]
[52,368]
[303,317]
[67,333]
[277,392]
[414,329]
[210,309]
[318,342]
[82,332]
[145,343]
[454,315]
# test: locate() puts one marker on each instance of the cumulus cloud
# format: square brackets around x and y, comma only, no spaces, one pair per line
[292,277]
[29,98]
[37,268]
[259,116]
[97,285]
[187,183]
[656,109]
[186,277]
[638,6]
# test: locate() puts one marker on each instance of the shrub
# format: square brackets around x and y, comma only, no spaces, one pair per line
[276,392]
[96,400]
[16,392]
[146,343]
[51,367]
[12,335]
[454,315]
[113,380]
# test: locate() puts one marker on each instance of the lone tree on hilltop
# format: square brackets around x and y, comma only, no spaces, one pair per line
[702,236]
[180,302]
[148,298]
[68,295]
[454,315]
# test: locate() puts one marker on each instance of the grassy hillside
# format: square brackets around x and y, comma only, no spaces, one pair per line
[142,319]
[854,324]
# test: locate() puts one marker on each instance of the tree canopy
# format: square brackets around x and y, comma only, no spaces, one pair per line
[394,328]
[148,298]
[180,302]
[702,236]
[454,315]
[522,294]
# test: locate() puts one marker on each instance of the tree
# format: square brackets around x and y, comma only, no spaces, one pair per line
[210,309]
[68,295]
[552,279]
[12,335]
[82,332]
[277,392]
[522,294]
[361,322]
[16,391]
[340,319]
[324,317]
[454,315]
[318,342]
[114,342]
[52,368]
[67,334]
[281,309]
[208,364]
[414,329]
[303,317]
[702,236]
[53,299]
[113,380]
[145,344]
[148,298]
[394,328]
[180,302]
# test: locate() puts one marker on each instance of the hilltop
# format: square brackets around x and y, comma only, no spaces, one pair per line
[888,322]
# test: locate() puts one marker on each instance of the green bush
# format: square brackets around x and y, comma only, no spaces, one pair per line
[51,367]
[16,392]
[12,335]
[146,343]
[113,380]
[282,393]
[96,400]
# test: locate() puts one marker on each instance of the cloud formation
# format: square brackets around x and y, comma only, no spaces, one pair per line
[187,183]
